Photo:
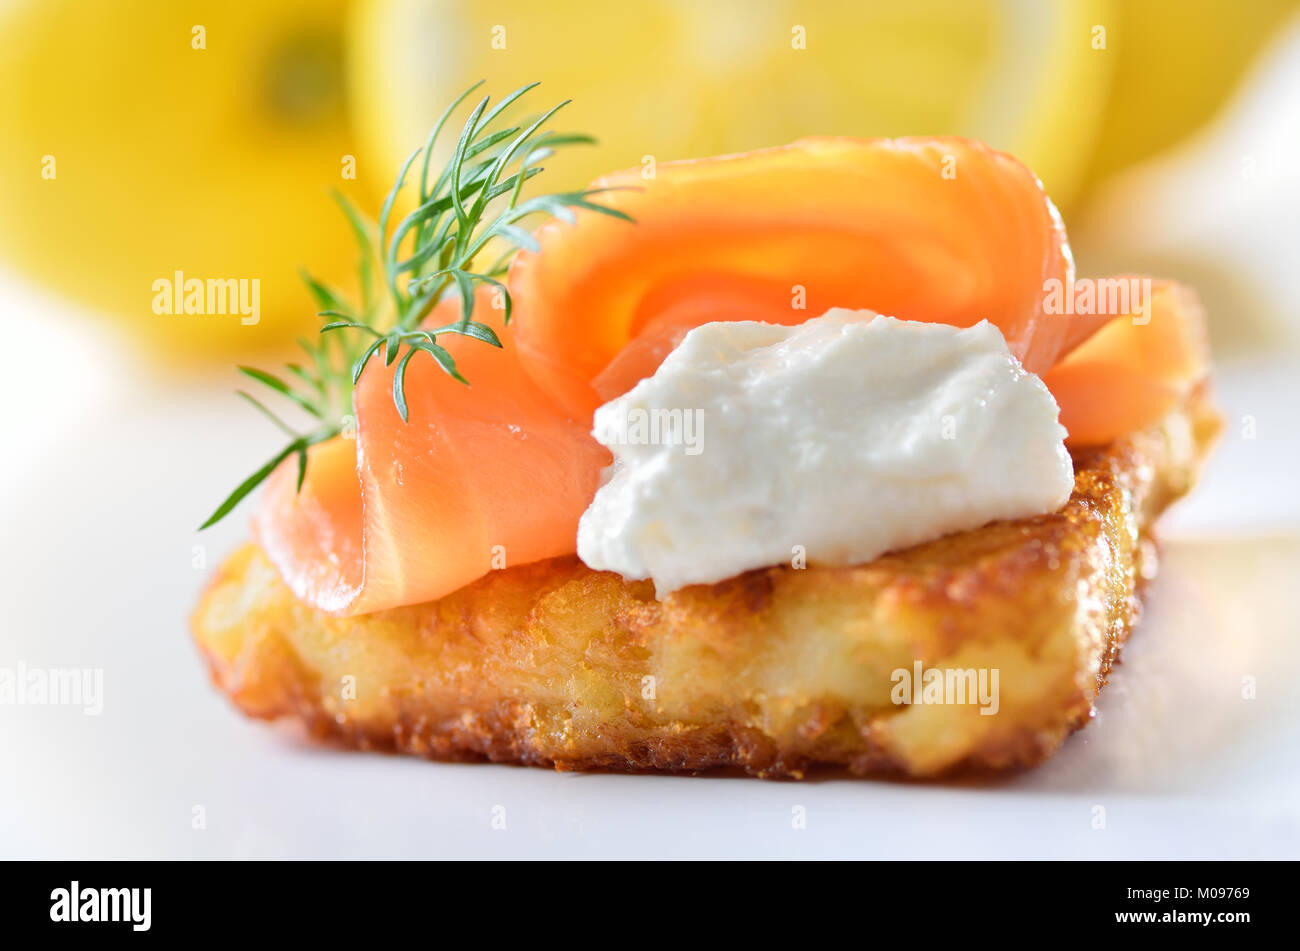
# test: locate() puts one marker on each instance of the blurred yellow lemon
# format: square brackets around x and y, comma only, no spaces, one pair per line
[1218,212]
[142,139]
[679,79]
[1177,63]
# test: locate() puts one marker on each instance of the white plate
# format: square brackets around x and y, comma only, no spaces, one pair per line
[105,484]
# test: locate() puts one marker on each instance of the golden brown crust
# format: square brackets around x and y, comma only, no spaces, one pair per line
[774,671]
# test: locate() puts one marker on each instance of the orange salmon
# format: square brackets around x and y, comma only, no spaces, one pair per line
[499,472]
[482,476]
[940,229]
[1134,370]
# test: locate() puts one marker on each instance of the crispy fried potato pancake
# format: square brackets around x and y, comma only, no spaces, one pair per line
[774,671]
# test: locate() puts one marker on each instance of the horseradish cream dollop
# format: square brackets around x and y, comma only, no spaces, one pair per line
[825,443]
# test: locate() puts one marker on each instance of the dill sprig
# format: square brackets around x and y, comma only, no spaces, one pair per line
[475,201]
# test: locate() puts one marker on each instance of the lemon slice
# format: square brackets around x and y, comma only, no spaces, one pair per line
[142,140]
[1177,65]
[682,79]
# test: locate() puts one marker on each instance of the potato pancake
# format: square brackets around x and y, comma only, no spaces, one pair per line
[774,672]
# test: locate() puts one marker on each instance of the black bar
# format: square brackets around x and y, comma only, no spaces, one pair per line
[334,899]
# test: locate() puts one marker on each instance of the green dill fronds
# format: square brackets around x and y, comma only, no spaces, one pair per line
[475,201]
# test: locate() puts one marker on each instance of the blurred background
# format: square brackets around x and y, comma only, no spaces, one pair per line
[139,138]
[142,137]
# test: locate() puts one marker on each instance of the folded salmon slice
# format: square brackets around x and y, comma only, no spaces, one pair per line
[937,229]
[482,476]
[1133,370]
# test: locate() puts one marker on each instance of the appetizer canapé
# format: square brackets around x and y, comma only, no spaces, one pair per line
[827,377]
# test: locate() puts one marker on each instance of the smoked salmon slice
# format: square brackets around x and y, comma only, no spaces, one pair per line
[1133,370]
[937,229]
[498,473]
[481,477]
